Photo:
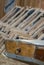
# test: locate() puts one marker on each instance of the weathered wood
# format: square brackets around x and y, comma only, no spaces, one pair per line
[39,32]
[42,4]
[42,24]
[2,3]
[7,15]
[28,20]
[15,16]
[21,21]
[39,53]
[22,25]
[31,24]
[36,25]
[30,3]
[23,49]
[20,2]
[8,30]
[26,50]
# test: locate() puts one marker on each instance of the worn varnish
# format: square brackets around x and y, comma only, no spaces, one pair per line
[20,48]
[24,49]
[39,54]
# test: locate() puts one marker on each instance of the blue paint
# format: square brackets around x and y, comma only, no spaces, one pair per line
[23,58]
[9,4]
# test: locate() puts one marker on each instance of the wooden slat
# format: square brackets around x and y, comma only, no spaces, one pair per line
[38,33]
[7,15]
[41,37]
[15,15]
[22,18]
[30,25]
[28,20]
[42,24]
[36,25]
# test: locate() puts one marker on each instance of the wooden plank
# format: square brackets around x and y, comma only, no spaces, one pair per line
[30,3]
[26,50]
[35,3]
[39,53]
[19,3]
[2,3]
[42,4]
[27,3]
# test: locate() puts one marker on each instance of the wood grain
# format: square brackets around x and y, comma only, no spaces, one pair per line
[31,3]
[26,50]
[2,3]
